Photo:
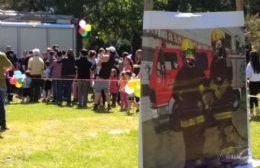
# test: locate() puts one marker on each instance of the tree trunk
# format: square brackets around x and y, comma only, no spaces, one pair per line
[148,5]
[239,5]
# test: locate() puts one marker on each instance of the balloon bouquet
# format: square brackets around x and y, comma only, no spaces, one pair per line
[84,29]
[16,79]
[133,87]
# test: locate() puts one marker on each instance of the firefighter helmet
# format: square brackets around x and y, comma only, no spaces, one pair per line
[187,44]
[217,35]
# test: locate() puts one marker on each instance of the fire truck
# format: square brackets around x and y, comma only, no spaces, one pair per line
[167,62]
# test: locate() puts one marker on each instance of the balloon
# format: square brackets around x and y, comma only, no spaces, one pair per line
[81,31]
[128,90]
[18,74]
[137,89]
[131,83]
[20,81]
[138,82]
[18,85]
[82,23]
[87,27]
[13,81]
[137,92]
[85,34]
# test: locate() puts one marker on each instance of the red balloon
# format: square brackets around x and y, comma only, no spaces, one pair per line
[81,31]
[13,80]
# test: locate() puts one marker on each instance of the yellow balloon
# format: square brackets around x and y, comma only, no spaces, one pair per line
[131,84]
[186,44]
[217,34]
[137,92]
[87,27]
[18,85]
[138,82]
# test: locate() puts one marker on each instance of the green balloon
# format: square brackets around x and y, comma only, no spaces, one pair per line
[20,80]
[85,34]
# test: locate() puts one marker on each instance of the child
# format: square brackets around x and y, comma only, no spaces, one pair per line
[26,80]
[127,64]
[47,81]
[113,86]
[124,102]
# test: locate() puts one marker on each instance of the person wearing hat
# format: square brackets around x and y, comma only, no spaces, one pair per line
[225,97]
[36,67]
[5,65]
[187,113]
[106,63]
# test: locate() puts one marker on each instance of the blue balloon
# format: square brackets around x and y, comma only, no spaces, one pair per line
[18,74]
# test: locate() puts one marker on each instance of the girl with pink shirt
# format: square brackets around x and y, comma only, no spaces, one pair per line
[124,102]
[127,64]
[113,86]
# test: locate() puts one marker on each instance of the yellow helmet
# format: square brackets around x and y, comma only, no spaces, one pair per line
[216,35]
[187,44]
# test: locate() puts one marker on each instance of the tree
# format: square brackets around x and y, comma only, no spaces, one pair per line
[253,31]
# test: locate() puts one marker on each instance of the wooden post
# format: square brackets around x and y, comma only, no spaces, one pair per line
[239,5]
[148,5]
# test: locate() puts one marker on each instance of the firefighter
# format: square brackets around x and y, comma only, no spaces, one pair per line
[187,113]
[222,107]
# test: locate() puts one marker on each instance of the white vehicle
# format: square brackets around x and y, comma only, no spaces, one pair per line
[25,36]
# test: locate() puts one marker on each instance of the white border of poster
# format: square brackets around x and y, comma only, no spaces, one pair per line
[162,20]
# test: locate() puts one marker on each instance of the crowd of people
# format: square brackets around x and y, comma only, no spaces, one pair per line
[64,78]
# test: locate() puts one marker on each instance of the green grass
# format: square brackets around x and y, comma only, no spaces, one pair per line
[255,138]
[45,136]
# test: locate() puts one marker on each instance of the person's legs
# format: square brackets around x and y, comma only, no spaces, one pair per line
[106,92]
[194,144]
[32,90]
[67,90]
[123,100]
[253,92]
[80,93]
[59,90]
[2,111]
[75,91]
[114,96]
[9,91]
[38,89]
[54,90]
[86,86]
[97,91]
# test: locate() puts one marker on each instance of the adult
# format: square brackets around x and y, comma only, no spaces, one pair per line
[137,61]
[22,60]
[11,56]
[83,66]
[56,68]
[224,97]
[68,73]
[36,67]
[187,113]
[253,77]
[106,63]
[26,60]
[13,59]
[5,64]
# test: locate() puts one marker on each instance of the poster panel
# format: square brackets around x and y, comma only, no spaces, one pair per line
[193,104]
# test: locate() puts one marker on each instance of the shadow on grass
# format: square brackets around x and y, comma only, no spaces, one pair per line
[255,118]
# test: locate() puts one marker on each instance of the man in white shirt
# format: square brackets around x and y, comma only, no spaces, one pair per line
[36,67]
